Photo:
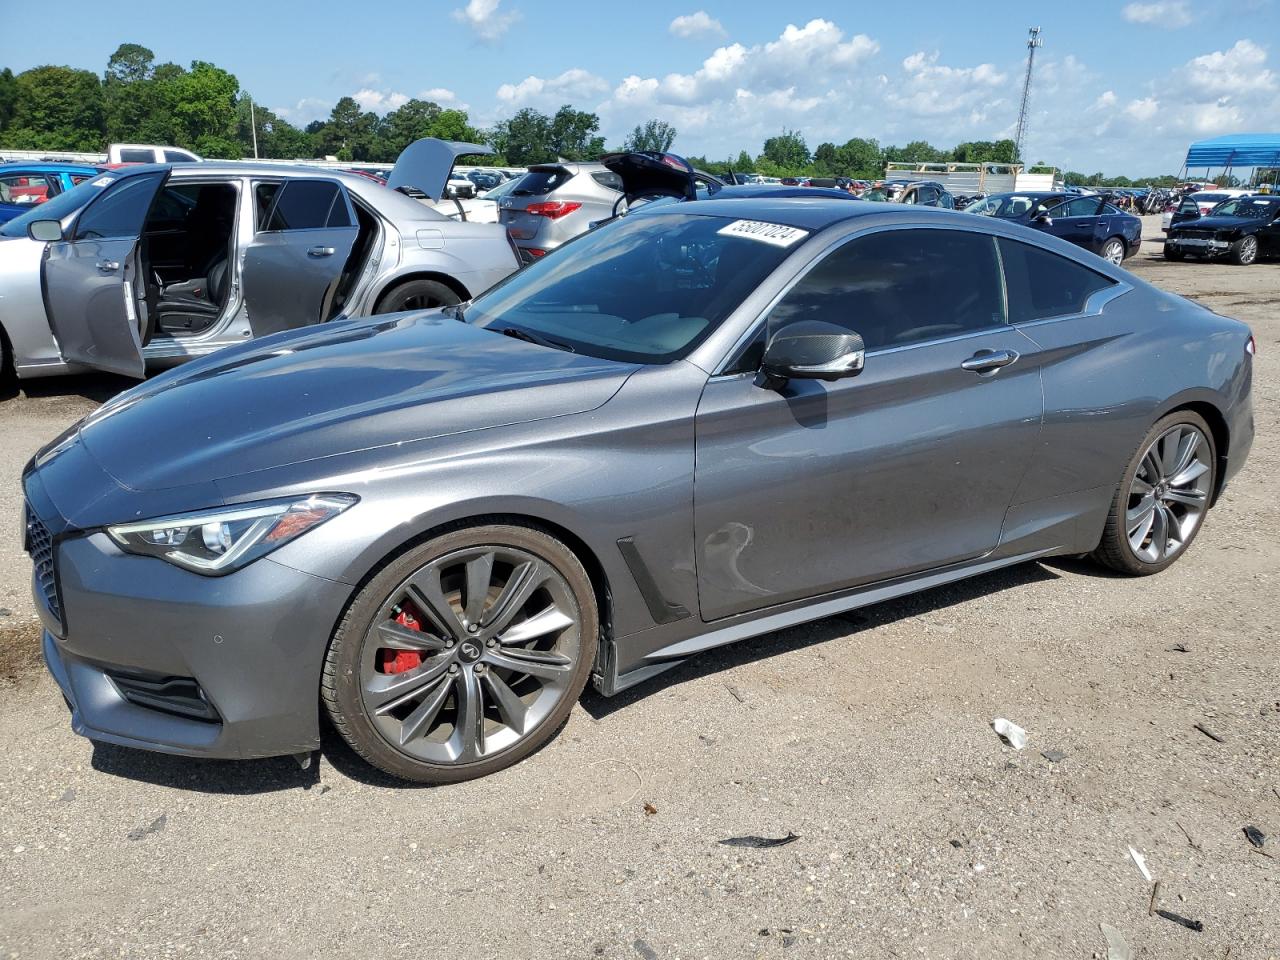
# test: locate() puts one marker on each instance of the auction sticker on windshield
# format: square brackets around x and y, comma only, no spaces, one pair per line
[775,234]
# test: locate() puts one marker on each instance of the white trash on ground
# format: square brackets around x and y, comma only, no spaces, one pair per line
[1013,734]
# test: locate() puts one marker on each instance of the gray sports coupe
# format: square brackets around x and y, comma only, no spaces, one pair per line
[699,423]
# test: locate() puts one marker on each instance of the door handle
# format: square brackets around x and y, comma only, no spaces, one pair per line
[321,252]
[108,266]
[988,361]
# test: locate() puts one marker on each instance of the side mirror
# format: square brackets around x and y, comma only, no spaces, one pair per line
[811,350]
[1045,220]
[45,231]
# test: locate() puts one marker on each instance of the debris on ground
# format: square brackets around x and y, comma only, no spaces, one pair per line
[68,795]
[760,842]
[1178,648]
[1010,732]
[1194,925]
[646,951]
[1208,733]
[736,693]
[1194,845]
[957,844]
[1053,756]
[1141,863]
[1155,892]
[649,809]
[1254,836]
[1117,949]
[155,826]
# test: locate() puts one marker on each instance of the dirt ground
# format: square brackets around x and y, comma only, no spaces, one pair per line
[920,833]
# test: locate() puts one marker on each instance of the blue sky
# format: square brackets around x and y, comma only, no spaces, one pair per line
[1120,87]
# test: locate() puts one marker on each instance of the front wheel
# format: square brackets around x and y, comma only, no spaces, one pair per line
[416,295]
[1113,251]
[1162,498]
[463,655]
[1173,253]
[1244,251]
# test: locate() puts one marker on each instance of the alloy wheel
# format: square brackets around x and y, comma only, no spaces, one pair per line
[1168,495]
[1113,252]
[470,654]
[1248,250]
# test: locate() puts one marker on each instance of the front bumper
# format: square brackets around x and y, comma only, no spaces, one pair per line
[1198,245]
[142,645]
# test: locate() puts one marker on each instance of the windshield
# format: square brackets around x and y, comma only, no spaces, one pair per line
[1251,208]
[1208,197]
[643,289]
[1007,206]
[502,189]
[60,207]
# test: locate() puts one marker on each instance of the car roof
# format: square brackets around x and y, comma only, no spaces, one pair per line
[812,211]
[47,166]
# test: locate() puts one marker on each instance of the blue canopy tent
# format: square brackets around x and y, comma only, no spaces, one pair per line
[1237,150]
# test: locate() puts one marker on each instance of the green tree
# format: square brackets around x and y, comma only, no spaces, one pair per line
[826,161]
[861,158]
[350,133]
[524,139]
[787,150]
[743,163]
[656,135]
[8,97]
[204,110]
[56,108]
[278,139]
[985,151]
[917,151]
[412,121]
[128,92]
[572,134]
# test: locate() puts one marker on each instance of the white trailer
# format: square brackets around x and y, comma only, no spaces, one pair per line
[966,179]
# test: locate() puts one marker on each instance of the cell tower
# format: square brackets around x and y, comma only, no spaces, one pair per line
[1033,40]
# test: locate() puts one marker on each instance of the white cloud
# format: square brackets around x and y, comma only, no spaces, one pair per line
[445,97]
[1241,71]
[486,19]
[305,111]
[575,85]
[378,101]
[698,24]
[1170,14]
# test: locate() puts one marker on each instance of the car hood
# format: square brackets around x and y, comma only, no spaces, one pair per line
[427,164]
[349,386]
[1214,223]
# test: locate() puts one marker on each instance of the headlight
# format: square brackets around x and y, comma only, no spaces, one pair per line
[216,542]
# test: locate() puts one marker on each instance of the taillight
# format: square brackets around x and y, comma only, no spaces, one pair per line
[535,252]
[1251,346]
[552,209]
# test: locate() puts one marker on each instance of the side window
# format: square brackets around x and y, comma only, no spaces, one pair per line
[137,156]
[901,287]
[178,156]
[1043,285]
[1189,206]
[308,205]
[263,196]
[26,188]
[120,210]
[607,178]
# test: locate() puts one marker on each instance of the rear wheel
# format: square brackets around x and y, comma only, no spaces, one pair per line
[1244,251]
[1113,251]
[1163,497]
[416,295]
[464,655]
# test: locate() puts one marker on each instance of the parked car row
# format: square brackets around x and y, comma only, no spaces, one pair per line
[1087,221]
[1242,229]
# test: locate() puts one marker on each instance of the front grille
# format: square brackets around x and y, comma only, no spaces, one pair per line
[1197,234]
[40,546]
[181,696]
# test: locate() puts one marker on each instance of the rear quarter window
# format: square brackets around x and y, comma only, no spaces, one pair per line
[609,179]
[1042,285]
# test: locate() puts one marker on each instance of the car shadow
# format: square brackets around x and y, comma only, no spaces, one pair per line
[247,777]
[97,387]
[818,632]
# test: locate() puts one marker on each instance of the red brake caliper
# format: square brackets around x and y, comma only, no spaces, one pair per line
[400,661]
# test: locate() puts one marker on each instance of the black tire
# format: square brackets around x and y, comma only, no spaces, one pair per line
[1244,251]
[340,685]
[1113,247]
[8,376]
[416,295]
[1114,550]
[1172,253]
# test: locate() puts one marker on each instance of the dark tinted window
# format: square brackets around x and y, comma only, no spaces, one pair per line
[307,205]
[1042,284]
[137,156]
[537,183]
[178,156]
[263,195]
[607,178]
[120,211]
[1079,207]
[901,287]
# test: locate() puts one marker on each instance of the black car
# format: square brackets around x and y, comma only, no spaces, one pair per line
[1087,221]
[1242,230]
[924,193]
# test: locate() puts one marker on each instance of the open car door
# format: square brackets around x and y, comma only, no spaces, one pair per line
[90,279]
[305,233]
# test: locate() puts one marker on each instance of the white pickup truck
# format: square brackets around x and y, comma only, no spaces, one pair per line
[149,153]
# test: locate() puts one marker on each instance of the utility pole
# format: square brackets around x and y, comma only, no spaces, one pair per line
[1033,40]
[253,125]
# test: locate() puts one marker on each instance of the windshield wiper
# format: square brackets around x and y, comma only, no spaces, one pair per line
[520,333]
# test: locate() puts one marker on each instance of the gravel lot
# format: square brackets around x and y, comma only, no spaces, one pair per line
[920,833]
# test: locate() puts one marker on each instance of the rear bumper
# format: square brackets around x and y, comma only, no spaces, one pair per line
[145,646]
